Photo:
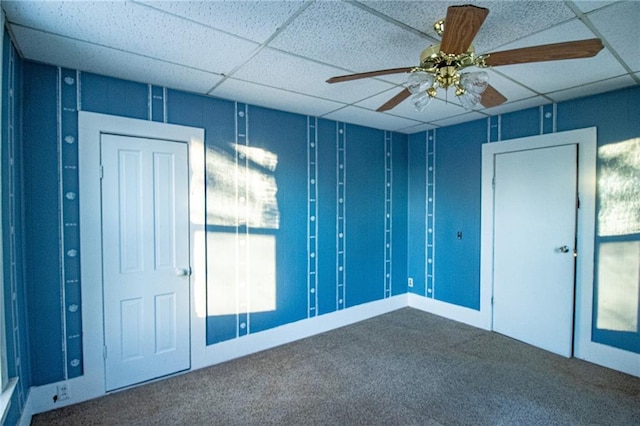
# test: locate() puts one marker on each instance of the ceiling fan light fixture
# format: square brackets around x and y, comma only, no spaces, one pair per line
[419,82]
[420,101]
[469,100]
[474,82]
[441,63]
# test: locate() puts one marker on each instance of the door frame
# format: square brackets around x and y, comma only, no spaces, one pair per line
[91,126]
[586,139]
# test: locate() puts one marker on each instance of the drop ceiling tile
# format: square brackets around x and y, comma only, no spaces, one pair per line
[137,29]
[374,102]
[618,24]
[462,118]
[511,90]
[253,20]
[269,97]
[589,5]
[285,71]
[419,15]
[567,31]
[593,88]
[398,79]
[83,56]
[513,20]
[507,20]
[544,77]
[415,129]
[365,117]
[342,35]
[517,105]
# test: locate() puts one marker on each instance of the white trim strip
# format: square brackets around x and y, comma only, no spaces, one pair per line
[312,216]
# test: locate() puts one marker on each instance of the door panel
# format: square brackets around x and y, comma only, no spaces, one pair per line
[129,211]
[534,241]
[166,323]
[145,226]
[163,210]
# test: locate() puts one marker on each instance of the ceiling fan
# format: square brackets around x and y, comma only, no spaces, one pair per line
[440,64]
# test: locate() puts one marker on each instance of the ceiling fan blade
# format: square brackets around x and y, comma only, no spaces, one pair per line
[460,27]
[546,52]
[349,77]
[491,97]
[395,100]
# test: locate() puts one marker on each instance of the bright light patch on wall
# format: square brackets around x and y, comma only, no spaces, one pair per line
[199,274]
[196,183]
[618,286]
[227,294]
[259,207]
[241,199]
[619,188]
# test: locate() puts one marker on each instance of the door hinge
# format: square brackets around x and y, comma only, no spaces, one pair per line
[577,201]
[493,182]
[101,171]
[104,351]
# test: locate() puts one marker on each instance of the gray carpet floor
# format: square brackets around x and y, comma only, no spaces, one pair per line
[403,368]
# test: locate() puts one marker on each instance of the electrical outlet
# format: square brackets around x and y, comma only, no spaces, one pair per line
[63,391]
[410,282]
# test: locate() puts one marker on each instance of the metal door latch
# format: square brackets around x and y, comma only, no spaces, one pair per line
[183,272]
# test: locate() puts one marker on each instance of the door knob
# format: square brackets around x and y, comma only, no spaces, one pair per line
[563,249]
[183,272]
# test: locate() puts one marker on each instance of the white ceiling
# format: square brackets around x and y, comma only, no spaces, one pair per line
[278,54]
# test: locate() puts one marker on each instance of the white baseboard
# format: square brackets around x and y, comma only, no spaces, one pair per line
[287,333]
[27,412]
[461,314]
[40,398]
[610,357]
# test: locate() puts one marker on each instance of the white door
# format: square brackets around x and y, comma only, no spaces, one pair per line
[145,231]
[534,240]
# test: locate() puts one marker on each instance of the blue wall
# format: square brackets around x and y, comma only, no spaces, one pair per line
[457,179]
[336,266]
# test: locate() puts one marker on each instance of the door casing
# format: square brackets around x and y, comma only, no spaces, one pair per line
[586,139]
[90,127]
